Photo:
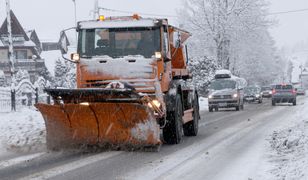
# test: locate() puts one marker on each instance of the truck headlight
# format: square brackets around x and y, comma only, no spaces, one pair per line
[210,97]
[155,103]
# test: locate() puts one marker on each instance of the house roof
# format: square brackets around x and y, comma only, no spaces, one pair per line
[17,29]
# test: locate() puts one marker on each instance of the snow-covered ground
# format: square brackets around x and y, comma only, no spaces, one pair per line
[22,131]
[283,156]
[288,150]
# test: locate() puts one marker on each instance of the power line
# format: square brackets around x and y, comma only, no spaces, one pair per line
[174,16]
[141,13]
[287,12]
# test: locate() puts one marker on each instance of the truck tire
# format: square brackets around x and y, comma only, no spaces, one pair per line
[191,128]
[173,131]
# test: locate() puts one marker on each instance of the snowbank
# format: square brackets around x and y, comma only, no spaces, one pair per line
[289,148]
[203,104]
[22,131]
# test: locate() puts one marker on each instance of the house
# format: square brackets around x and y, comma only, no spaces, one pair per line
[27,50]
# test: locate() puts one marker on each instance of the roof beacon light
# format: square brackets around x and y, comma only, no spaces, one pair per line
[102,18]
[136,16]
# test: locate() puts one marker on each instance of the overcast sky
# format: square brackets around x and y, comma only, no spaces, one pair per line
[48,17]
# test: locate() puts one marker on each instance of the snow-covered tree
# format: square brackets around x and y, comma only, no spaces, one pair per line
[21,75]
[65,74]
[235,33]
[203,70]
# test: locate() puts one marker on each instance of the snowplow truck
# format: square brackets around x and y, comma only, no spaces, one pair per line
[132,86]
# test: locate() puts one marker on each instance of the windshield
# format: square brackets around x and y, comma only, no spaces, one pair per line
[266,88]
[251,90]
[119,42]
[223,84]
[283,87]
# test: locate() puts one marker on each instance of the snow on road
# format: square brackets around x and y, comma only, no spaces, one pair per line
[279,153]
[203,104]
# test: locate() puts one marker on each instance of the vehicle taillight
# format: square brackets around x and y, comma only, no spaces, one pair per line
[293,91]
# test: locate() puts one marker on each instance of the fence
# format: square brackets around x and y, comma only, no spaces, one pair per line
[25,94]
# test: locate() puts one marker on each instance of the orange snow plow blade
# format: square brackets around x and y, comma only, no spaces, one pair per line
[130,125]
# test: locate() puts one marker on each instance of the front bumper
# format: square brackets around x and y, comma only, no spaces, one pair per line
[251,98]
[223,103]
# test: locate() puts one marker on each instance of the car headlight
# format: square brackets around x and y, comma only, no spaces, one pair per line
[257,95]
[210,97]
[235,95]
[270,92]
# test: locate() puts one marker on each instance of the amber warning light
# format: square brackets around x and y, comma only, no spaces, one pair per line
[102,18]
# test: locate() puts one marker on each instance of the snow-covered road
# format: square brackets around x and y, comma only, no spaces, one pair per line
[257,143]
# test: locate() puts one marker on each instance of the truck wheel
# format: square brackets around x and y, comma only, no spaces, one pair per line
[173,130]
[191,128]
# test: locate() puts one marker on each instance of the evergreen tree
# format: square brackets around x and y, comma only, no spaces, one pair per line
[21,75]
[203,70]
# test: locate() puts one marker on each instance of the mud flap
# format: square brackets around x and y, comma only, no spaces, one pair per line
[115,124]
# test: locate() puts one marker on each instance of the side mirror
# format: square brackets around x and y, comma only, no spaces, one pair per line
[63,42]
[295,89]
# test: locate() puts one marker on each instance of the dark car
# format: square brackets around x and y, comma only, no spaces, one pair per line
[283,93]
[266,91]
[253,94]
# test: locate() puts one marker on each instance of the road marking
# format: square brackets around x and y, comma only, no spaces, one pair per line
[71,166]
[18,160]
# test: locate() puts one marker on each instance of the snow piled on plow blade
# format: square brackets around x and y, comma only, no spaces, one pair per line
[100,124]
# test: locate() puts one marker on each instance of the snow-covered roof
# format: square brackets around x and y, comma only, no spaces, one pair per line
[223,71]
[1,44]
[117,23]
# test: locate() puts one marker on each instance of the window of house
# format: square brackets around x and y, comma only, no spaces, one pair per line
[20,54]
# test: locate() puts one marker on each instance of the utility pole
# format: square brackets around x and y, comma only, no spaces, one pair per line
[96,10]
[11,55]
[75,13]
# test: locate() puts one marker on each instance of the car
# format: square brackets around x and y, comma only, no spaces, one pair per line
[266,91]
[300,91]
[284,93]
[226,91]
[253,94]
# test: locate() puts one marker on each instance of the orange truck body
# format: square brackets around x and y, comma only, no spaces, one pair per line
[124,95]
